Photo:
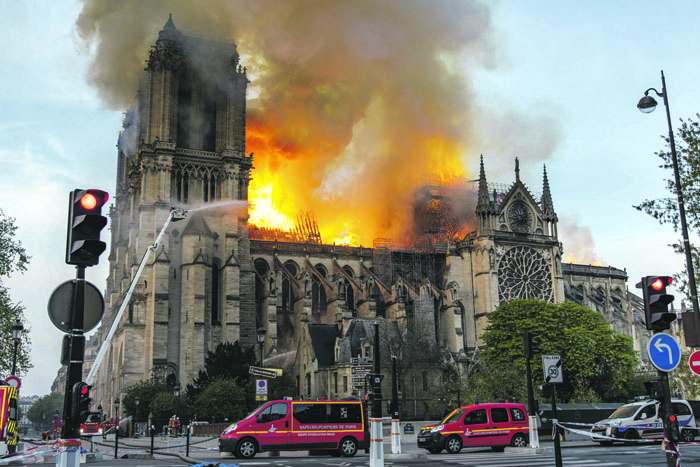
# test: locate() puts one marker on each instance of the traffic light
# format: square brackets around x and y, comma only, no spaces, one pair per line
[80,406]
[546,390]
[656,302]
[655,390]
[85,221]
[674,432]
[531,343]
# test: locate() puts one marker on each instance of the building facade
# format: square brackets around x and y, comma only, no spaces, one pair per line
[215,279]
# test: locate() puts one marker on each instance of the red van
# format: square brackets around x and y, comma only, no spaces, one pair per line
[497,425]
[339,427]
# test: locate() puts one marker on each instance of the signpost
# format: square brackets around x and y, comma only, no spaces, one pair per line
[266,372]
[551,364]
[260,389]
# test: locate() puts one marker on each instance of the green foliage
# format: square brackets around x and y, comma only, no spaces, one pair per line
[592,353]
[665,210]
[685,381]
[43,410]
[13,258]
[220,400]
[227,361]
[153,395]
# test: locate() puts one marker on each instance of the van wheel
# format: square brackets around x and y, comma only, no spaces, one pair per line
[687,436]
[631,435]
[453,445]
[246,448]
[348,447]
[518,440]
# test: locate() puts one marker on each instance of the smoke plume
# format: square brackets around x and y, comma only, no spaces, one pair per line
[350,102]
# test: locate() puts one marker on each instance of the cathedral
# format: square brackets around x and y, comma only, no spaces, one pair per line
[315,306]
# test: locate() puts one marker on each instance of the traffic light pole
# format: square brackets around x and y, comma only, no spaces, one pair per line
[666,412]
[71,427]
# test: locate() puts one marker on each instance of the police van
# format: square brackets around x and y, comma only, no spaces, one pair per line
[642,420]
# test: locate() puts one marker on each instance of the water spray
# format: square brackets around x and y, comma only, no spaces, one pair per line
[176,214]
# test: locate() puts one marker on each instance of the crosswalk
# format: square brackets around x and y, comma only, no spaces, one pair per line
[505,460]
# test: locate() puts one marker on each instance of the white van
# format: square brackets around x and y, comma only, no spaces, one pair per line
[641,420]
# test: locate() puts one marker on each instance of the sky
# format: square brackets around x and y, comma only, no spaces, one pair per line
[578,68]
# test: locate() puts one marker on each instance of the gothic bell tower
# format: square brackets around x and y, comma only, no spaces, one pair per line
[182,145]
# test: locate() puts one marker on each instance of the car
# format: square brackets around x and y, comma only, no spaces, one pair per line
[492,424]
[641,420]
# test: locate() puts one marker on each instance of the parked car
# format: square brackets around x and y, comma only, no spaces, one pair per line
[493,424]
[641,420]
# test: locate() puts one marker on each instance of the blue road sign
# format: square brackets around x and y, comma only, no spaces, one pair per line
[664,352]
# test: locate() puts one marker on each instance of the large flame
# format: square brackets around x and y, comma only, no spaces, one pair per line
[350,102]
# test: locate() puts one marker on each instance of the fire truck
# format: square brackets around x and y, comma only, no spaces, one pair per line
[9,415]
[93,425]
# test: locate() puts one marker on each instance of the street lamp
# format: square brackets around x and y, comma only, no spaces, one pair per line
[17,329]
[261,341]
[176,393]
[647,104]
[136,401]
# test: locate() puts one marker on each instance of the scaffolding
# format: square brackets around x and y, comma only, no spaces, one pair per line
[305,230]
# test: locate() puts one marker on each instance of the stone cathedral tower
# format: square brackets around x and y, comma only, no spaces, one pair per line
[183,145]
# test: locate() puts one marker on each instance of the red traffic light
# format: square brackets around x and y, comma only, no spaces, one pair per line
[661,282]
[84,390]
[93,199]
[672,418]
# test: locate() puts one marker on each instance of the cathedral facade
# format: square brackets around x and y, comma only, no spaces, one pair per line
[214,280]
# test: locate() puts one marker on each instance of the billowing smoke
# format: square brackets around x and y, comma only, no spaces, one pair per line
[350,103]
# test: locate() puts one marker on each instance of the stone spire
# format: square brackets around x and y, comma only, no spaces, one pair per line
[546,202]
[517,170]
[483,204]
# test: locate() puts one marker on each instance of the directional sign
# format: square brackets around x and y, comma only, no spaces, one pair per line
[361,370]
[694,362]
[664,352]
[358,379]
[361,361]
[269,373]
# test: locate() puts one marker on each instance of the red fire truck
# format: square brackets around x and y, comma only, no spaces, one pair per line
[8,417]
[93,425]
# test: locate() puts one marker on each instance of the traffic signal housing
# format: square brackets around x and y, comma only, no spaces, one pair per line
[531,343]
[85,222]
[674,432]
[80,407]
[656,302]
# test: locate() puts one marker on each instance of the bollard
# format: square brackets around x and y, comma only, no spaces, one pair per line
[153,435]
[395,437]
[376,450]
[68,453]
[534,436]
[187,448]
[116,440]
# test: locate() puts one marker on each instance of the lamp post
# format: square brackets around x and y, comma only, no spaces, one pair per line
[647,104]
[116,427]
[136,401]
[176,393]
[261,342]
[17,329]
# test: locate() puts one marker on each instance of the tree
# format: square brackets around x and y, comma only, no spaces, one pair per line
[220,400]
[590,350]
[13,258]
[665,210]
[155,396]
[43,411]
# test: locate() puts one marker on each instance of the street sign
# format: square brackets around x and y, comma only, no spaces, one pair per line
[269,373]
[61,306]
[361,370]
[361,361]
[261,398]
[694,362]
[664,352]
[551,364]
[261,387]
[356,379]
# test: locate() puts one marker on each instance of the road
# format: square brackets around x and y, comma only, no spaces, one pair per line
[577,454]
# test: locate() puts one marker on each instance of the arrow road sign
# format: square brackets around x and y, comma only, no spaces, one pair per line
[664,352]
[361,370]
[254,370]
